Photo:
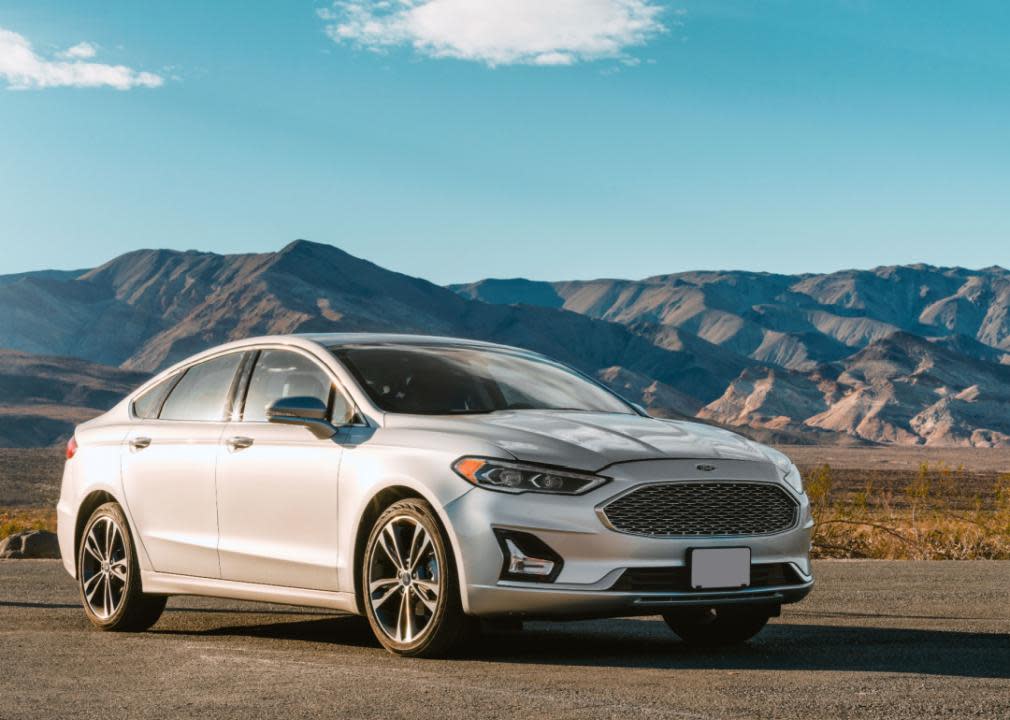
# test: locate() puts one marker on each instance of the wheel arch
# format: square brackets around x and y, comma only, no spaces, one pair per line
[375,506]
[91,502]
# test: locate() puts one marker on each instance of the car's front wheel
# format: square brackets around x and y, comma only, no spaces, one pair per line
[109,576]
[411,593]
[720,625]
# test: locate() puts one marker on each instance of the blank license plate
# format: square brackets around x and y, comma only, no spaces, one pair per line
[720,568]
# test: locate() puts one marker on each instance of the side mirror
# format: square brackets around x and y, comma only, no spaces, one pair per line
[308,412]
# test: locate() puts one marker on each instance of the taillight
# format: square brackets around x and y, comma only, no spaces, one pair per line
[71,447]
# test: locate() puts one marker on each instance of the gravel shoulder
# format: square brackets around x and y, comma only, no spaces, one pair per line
[874,640]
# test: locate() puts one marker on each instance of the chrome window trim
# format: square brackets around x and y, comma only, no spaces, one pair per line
[180,371]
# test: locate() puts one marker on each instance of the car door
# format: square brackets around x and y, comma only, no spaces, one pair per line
[169,466]
[277,484]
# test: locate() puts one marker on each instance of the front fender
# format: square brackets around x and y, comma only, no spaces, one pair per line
[364,476]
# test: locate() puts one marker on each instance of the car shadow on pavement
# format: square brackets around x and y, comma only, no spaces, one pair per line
[220,611]
[641,643]
[635,643]
[350,630]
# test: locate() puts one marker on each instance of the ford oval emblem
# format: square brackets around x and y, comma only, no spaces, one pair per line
[705,468]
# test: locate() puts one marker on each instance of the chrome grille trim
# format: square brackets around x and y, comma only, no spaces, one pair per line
[762,508]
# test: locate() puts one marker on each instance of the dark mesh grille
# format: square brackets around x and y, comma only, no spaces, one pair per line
[701,509]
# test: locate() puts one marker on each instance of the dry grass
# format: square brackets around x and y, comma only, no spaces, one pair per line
[885,503]
[938,512]
[15,520]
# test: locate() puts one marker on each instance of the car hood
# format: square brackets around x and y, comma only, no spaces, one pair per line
[590,441]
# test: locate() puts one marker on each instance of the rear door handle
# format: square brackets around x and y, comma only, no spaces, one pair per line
[238,442]
[139,443]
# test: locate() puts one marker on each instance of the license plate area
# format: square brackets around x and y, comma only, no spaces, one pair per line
[720,568]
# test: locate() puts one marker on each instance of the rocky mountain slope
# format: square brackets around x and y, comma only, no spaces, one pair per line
[901,389]
[149,308]
[42,398]
[790,321]
[912,354]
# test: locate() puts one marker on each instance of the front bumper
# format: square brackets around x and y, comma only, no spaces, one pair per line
[598,560]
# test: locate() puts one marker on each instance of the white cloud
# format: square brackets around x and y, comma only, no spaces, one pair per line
[80,51]
[22,68]
[494,32]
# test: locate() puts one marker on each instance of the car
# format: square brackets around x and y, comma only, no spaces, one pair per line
[430,484]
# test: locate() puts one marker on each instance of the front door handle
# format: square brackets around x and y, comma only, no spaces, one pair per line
[238,442]
[139,443]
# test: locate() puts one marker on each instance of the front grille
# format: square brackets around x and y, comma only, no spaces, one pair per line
[678,579]
[703,509]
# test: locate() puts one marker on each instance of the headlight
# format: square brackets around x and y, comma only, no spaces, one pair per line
[787,470]
[520,478]
[792,477]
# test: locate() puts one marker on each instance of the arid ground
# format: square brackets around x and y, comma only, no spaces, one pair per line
[880,502]
[874,640]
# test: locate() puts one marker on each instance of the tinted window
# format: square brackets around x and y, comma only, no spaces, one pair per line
[281,374]
[147,405]
[452,380]
[203,391]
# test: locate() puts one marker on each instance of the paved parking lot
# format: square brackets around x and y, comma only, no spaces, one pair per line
[874,640]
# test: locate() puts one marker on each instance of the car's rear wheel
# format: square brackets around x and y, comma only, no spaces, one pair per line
[109,576]
[410,589]
[720,625]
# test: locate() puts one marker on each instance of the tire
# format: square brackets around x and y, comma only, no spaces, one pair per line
[108,575]
[410,589]
[722,625]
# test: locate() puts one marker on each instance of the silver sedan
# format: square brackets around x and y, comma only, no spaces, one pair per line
[430,484]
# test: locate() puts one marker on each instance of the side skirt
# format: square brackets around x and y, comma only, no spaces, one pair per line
[167,584]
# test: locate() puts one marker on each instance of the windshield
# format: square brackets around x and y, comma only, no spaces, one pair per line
[451,380]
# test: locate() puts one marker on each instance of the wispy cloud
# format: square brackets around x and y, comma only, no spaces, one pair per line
[80,51]
[529,32]
[22,68]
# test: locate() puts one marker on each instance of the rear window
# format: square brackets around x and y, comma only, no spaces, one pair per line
[202,393]
[148,405]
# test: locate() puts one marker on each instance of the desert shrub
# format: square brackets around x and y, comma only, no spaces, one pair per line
[818,484]
[916,522]
[20,519]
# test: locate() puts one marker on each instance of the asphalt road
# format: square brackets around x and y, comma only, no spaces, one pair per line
[874,640]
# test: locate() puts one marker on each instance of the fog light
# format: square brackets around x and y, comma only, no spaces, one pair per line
[522,564]
[527,558]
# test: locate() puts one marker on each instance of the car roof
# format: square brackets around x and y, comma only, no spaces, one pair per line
[326,340]
[332,340]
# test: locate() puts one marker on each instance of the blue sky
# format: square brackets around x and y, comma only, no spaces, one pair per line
[554,139]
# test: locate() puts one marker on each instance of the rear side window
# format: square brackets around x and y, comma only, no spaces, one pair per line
[281,374]
[203,391]
[147,405]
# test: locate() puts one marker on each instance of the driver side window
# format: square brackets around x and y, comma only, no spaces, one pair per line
[282,374]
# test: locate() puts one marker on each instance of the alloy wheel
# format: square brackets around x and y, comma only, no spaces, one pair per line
[404,579]
[104,568]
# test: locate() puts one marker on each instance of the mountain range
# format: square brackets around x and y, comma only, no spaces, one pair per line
[913,354]
[42,398]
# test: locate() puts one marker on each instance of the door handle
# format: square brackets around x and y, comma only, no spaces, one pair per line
[238,442]
[139,443]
